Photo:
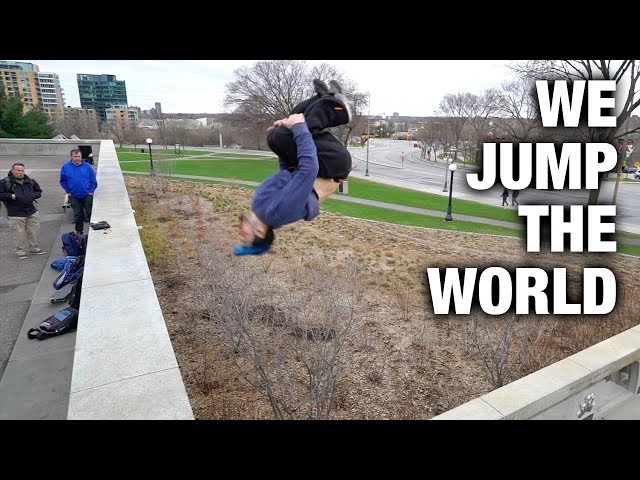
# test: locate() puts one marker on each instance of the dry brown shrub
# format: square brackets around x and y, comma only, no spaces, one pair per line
[401,360]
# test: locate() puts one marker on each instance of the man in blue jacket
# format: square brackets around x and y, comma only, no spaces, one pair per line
[78,180]
[303,182]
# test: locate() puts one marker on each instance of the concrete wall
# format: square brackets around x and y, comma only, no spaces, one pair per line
[124,365]
[17,147]
[608,369]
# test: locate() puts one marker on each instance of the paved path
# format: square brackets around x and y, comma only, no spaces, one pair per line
[35,376]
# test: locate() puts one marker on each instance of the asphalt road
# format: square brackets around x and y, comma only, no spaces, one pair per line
[385,162]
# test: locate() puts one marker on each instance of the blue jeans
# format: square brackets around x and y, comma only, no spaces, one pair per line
[78,205]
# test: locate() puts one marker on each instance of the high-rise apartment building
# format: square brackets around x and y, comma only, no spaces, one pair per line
[101,92]
[35,88]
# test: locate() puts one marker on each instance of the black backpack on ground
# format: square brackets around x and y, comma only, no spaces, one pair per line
[66,320]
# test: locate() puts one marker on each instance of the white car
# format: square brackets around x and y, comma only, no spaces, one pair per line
[637,175]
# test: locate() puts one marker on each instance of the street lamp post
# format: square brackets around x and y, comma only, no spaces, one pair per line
[446,165]
[366,173]
[152,172]
[448,217]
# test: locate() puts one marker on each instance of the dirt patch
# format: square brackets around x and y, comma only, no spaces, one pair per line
[397,360]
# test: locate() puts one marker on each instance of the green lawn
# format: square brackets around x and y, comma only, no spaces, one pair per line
[629,249]
[405,218]
[160,149]
[144,157]
[253,170]
[626,234]
[393,216]
[258,170]
[403,196]
[414,219]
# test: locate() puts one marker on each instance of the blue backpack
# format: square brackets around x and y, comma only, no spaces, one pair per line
[71,271]
[74,244]
[60,262]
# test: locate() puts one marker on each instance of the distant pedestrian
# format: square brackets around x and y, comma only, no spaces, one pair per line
[18,192]
[402,158]
[505,197]
[514,197]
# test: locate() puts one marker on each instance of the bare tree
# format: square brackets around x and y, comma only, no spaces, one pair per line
[269,90]
[119,131]
[428,137]
[176,132]
[480,109]
[161,123]
[161,181]
[441,137]
[288,341]
[73,122]
[502,345]
[454,108]
[623,72]
[135,134]
[517,106]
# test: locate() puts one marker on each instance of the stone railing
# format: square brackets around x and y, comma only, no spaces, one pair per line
[609,370]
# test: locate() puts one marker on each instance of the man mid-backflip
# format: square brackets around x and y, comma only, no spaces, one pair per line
[312,164]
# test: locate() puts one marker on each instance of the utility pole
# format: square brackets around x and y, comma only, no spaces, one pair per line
[623,158]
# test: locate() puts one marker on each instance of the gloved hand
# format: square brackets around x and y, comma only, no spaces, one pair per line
[250,250]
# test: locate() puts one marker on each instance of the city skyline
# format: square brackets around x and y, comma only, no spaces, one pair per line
[409,87]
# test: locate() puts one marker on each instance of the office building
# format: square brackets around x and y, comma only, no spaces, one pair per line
[101,92]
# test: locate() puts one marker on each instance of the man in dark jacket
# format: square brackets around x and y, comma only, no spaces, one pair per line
[18,192]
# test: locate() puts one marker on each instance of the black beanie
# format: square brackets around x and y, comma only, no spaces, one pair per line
[267,240]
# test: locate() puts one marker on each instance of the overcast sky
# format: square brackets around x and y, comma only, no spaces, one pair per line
[409,87]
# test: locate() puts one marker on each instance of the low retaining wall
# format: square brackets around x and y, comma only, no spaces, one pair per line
[124,365]
[609,370]
[18,147]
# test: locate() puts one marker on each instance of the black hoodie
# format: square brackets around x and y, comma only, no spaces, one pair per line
[25,193]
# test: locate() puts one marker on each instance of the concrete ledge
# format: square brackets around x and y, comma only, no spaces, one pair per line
[124,365]
[556,391]
[22,147]
[476,409]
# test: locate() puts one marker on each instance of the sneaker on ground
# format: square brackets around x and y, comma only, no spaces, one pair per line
[22,257]
[37,252]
